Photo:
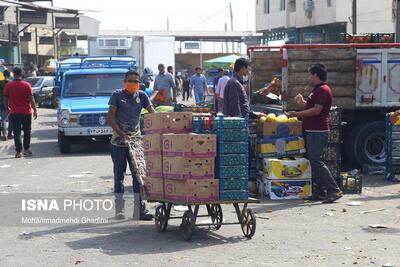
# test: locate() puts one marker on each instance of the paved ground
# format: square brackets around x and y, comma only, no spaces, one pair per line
[289,233]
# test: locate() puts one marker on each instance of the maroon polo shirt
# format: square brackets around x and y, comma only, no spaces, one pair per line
[320,95]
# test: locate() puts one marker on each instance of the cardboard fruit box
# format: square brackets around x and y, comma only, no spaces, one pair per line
[154,166]
[188,168]
[296,168]
[168,122]
[152,144]
[277,129]
[280,147]
[191,190]
[189,145]
[154,188]
[288,189]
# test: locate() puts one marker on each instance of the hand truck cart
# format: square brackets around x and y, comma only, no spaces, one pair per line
[245,216]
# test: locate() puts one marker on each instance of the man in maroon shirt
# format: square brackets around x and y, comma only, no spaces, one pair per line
[19,99]
[316,126]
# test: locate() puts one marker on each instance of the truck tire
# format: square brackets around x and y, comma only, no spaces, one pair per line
[64,143]
[369,144]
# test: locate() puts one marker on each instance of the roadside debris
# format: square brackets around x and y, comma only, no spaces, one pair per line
[371,211]
[25,235]
[5,166]
[354,203]
[377,226]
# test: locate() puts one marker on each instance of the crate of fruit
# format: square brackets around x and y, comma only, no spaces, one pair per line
[332,152]
[233,159]
[233,171]
[335,135]
[351,184]
[228,195]
[335,116]
[241,183]
[335,166]
[393,146]
[233,148]
[203,123]
[198,108]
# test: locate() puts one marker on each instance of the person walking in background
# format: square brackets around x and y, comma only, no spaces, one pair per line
[236,103]
[164,88]
[216,79]
[315,117]
[18,98]
[5,124]
[198,83]
[219,92]
[186,88]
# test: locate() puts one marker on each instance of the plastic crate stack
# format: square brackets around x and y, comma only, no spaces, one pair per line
[332,154]
[232,166]
[393,147]
[233,158]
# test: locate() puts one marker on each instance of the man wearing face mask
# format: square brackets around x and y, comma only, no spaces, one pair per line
[236,103]
[123,117]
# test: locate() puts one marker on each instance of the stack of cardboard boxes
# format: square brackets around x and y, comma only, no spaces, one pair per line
[180,165]
[284,173]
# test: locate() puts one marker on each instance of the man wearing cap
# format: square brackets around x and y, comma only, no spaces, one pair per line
[125,107]
[315,117]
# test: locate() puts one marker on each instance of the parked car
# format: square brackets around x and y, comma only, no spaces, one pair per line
[42,87]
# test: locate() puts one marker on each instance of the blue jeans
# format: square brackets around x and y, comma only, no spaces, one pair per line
[199,96]
[120,157]
[322,177]
[3,122]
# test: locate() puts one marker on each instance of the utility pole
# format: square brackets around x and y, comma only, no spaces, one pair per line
[397,36]
[55,48]
[226,43]
[18,40]
[37,46]
[231,13]
[354,17]
[167,24]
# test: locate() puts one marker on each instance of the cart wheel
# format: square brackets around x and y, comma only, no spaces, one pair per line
[160,218]
[187,225]
[248,224]
[216,216]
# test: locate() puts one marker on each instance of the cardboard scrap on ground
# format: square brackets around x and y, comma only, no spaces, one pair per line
[377,226]
[371,211]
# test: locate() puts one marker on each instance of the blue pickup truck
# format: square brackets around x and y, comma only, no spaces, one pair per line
[84,86]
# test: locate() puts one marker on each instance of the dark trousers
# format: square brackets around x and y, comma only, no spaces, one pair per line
[21,122]
[120,157]
[322,177]
[186,93]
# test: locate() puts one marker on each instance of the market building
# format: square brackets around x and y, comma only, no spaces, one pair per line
[322,21]
[43,32]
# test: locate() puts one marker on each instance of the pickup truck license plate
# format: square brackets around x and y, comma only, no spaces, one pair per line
[100,131]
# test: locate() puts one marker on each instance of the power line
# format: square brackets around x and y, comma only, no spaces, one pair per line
[207,18]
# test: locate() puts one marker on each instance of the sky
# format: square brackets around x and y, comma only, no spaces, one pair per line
[193,15]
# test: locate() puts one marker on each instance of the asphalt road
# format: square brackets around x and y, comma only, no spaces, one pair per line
[289,233]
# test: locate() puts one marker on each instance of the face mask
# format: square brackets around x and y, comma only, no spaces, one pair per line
[132,87]
[246,78]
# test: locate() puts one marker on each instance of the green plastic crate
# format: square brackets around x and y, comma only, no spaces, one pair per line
[227,195]
[233,171]
[233,147]
[228,135]
[351,184]
[234,184]
[233,159]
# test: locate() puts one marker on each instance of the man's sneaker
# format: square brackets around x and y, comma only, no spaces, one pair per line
[144,216]
[18,155]
[27,153]
[3,138]
[119,216]
[333,197]
[10,136]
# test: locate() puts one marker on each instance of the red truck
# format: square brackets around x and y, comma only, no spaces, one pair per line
[365,80]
